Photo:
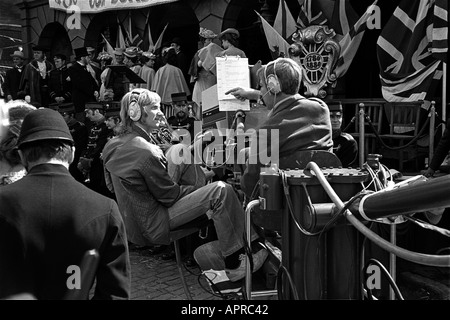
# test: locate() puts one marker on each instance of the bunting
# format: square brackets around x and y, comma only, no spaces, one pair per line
[109,49]
[278,46]
[350,31]
[284,22]
[160,39]
[311,14]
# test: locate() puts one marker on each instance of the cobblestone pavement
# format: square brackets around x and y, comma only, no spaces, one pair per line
[153,278]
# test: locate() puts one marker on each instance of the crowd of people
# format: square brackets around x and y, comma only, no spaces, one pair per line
[91,160]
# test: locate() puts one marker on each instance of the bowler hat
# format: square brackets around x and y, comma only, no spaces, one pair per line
[335,106]
[177,97]
[81,52]
[43,124]
[18,54]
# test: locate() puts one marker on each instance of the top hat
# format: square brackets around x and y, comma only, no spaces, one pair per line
[231,31]
[43,124]
[335,106]
[39,48]
[81,52]
[177,97]
[18,54]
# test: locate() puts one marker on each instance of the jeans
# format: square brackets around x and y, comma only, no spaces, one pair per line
[220,203]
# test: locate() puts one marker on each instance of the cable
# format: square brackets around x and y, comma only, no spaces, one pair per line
[291,209]
[282,270]
[388,276]
[413,140]
[425,259]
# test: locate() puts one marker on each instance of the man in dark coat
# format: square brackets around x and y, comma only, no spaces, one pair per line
[83,85]
[34,81]
[45,233]
[90,163]
[79,133]
[13,76]
[59,84]
[182,60]
[181,120]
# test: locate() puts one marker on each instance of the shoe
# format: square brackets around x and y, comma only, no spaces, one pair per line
[239,273]
[190,262]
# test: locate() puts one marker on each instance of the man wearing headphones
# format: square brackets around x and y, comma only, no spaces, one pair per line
[152,203]
[294,123]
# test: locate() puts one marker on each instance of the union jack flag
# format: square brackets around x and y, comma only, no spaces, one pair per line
[410,49]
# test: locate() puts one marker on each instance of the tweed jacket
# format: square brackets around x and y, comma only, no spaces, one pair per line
[136,171]
[302,124]
[47,222]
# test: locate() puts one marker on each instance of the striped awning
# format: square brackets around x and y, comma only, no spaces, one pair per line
[95,6]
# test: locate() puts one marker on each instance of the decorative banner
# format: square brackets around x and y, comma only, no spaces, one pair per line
[94,6]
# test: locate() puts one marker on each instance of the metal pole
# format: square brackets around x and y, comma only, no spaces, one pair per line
[361,134]
[248,271]
[393,260]
[444,95]
[417,196]
[432,124]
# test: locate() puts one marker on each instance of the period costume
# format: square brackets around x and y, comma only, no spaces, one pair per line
[90,156]
[12,78]
[60,84]
[34,81]
[83,84]
[147,74]
[169,79]
[346,148]
[202,65]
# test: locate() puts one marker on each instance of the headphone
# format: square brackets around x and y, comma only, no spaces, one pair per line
[134,109]
[272,82]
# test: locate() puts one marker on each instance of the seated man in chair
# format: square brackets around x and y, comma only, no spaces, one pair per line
[294,122]
[153,204]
